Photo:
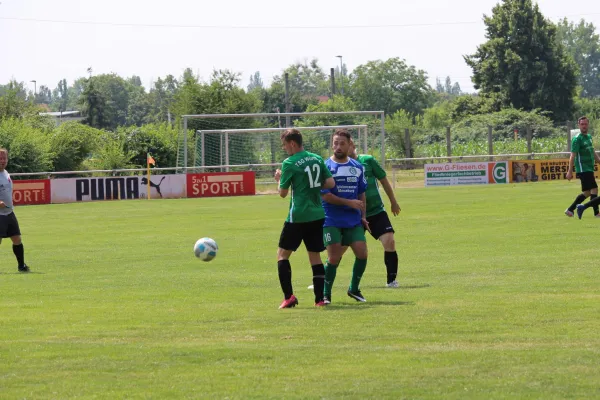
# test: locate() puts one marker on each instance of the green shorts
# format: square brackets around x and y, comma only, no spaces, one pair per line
[343,236]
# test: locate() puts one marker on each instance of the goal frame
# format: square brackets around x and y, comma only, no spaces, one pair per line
[187,117]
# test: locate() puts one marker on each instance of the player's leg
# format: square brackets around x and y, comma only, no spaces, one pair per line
[390,257]
[588,184]
[332,239]
[14,232]
[594,195]
[585,193]
[344,249]
[382,230]
[289,241]
[355,238]
[313,240]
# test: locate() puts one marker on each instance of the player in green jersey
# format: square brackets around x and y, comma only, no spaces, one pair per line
[583,158]
[379,223]
[306,174]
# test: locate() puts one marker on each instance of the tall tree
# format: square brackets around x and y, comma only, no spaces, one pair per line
[390,86]
[522,64]
[256,82]
[583,44]
[61,96]
[93,104]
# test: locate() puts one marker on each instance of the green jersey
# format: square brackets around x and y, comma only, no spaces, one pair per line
[373,172]
[582,145]
[305,172]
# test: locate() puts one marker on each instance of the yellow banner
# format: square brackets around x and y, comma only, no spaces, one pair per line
[542,170]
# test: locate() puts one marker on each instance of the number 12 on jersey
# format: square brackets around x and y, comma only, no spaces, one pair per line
[313,182]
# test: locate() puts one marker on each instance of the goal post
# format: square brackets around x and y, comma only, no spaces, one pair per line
[226,148]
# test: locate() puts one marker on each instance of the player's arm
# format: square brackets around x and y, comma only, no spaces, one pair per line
[571,164]
[574,151]
[380,174]
[329,182]
[283,177]
[339,201]
[363,211]
[387,187]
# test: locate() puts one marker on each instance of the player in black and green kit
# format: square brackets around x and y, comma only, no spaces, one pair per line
[379,222]
[583,157]
[306,174]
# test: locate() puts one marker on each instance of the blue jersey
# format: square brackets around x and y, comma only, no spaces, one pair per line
[349,183]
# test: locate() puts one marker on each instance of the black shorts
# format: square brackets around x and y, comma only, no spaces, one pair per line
[380,224]
[294,233]
[588,181]
[9,226]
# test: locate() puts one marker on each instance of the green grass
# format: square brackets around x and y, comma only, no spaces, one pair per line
[499,299]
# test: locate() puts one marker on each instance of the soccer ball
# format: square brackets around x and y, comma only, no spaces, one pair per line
[206,249]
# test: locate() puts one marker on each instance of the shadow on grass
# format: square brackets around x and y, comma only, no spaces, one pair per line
[367,305]
[23,273]
[422,286]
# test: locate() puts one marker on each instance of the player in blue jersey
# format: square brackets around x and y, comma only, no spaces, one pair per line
[345,215]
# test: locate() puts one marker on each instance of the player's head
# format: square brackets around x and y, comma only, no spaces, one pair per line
[3,158]
[291,141]
[584,124]
[341,144]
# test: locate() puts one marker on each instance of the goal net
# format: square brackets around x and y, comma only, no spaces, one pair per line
[226,149]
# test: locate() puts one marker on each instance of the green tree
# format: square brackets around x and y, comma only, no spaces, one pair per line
[390,86]
[61,96]
[583,44]
[522,64]
[13,100]
[306,81]
[256,82]
[93,104]
[161,99]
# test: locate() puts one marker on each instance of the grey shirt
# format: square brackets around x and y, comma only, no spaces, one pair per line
[6,192]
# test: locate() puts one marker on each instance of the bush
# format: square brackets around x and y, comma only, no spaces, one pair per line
[28,148]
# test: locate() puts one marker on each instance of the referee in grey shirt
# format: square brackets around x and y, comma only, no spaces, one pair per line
[9,226]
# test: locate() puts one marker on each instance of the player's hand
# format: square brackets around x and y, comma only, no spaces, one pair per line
[366,224]
[395,209]
[277,174]
[2,205]
[356,204]
[569,176]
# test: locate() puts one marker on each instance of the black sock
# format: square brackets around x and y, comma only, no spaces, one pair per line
[578,200]
[19,253]
[391,264]
[285,277]
[594,205]
[318,281]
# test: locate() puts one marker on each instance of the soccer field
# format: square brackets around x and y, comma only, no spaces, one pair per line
[499,298]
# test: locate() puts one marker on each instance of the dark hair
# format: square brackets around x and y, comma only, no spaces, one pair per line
[343,133]
[292,135]
[582,118]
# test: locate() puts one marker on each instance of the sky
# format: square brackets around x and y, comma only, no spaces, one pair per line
[47,41]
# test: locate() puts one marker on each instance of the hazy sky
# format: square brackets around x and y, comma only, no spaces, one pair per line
[50,40]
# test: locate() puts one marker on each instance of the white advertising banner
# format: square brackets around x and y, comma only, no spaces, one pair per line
[471,173]
[73,190]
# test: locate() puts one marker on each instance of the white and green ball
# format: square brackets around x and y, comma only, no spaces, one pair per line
[206,249]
